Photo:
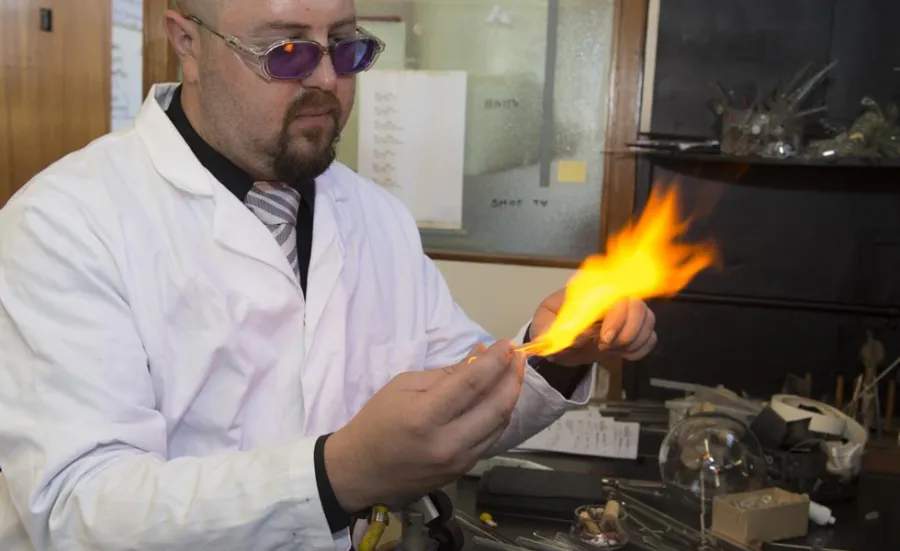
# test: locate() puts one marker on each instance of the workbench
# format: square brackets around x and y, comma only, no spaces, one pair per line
[852,532]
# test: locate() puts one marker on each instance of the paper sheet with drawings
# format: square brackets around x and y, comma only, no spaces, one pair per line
[127,76]
[127,63]
[128,13]
[586,432]
[412,132]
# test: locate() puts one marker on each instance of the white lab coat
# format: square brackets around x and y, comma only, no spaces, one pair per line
[162,379]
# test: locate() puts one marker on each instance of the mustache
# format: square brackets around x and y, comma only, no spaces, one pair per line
[314,100]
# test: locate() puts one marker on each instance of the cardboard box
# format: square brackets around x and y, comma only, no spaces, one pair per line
[763,516]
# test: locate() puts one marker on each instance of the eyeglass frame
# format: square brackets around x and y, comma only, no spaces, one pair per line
[258,55]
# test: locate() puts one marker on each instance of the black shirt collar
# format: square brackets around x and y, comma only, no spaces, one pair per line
[236,180]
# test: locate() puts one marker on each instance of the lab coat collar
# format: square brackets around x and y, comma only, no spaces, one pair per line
[169,153]
[177,163]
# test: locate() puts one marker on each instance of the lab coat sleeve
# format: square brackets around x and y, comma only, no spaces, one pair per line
[82,447]
[452,335]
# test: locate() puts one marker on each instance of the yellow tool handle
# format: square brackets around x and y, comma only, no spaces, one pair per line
[377,524]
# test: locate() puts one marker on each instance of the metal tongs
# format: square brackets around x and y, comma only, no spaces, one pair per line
[537,542]
[484,536]
[559,542]
[647,488]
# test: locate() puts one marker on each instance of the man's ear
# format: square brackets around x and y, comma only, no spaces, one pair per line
[181,33]
[184,39]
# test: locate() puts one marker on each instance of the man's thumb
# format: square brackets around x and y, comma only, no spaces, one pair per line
[476,351]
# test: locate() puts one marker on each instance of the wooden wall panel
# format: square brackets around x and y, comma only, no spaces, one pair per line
[6,42]
[54,85]
[160,61]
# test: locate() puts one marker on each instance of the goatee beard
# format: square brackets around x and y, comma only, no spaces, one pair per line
[291,166]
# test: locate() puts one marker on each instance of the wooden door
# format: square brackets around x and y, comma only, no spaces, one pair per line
[54,84]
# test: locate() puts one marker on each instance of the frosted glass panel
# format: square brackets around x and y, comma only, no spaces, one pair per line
[502,45]
[535,130]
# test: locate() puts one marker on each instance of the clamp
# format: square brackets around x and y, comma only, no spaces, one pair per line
[428,525]
[430,521]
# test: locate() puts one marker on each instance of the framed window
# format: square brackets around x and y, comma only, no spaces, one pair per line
[552,94]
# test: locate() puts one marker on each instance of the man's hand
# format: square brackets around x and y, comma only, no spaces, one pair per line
[424,429]
[627,331]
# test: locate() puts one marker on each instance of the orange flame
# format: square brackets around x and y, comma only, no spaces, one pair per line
[642,261]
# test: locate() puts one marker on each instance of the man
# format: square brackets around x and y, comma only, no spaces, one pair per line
[213,336]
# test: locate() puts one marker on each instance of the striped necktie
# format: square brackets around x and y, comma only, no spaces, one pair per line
[276,206]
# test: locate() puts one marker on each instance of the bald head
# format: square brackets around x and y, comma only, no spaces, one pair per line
[205,10]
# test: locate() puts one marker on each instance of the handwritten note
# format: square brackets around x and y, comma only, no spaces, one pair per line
[516,203]
[127,62]
[586,432]
[412,140]
[128,13]
[127,76]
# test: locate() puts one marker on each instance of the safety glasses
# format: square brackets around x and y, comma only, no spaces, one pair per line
[297,59]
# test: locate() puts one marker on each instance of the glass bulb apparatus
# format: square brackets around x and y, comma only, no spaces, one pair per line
[709,455]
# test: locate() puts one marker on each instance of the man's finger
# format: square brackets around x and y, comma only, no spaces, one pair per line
[586,338]
[476,351]
[634,322]
[465,384]
[420,381]
[555,301]
[643,351]
[613,323]
[492,412]
[479,349]
[641,340]
[519,361]
[476,452]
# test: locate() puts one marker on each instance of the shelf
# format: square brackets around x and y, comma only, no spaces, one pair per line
[844,175]
[793,305]
[838,162]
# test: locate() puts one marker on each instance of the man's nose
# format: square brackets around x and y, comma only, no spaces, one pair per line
[323,76]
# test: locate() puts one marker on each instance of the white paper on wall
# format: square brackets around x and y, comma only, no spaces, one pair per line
[412,134]
[128,13]
[127,62]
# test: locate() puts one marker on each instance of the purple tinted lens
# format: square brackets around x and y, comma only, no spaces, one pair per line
[354,55]
[294,60]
